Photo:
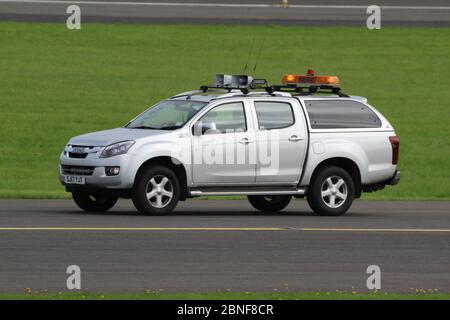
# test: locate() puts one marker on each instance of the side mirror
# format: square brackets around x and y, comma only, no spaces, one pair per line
[196,129]
[200,128]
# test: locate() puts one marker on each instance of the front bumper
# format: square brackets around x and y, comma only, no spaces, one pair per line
[93,170]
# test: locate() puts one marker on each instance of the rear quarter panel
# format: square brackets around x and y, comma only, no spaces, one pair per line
[370,150]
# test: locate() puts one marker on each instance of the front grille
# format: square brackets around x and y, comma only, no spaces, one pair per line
[77,170]
[78,155]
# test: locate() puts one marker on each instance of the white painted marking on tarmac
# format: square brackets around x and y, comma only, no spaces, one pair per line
[223,5]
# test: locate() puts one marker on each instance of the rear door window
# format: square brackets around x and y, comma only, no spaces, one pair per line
[340,114]
[274,115]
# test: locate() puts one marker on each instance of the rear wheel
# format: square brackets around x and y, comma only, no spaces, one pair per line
[94,203]
[269,203]
[331,192]
[156,191]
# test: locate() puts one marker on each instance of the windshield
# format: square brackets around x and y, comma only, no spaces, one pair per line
[167,115]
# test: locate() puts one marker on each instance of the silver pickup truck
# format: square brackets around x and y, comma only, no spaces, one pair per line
[240,136]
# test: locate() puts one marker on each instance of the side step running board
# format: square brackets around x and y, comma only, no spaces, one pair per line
[206,192]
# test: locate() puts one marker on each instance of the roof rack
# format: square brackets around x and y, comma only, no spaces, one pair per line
[255,84]
[293,84]
[306,90]
[257,93]
[186,94]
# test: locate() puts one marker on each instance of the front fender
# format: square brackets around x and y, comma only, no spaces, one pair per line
[144,152]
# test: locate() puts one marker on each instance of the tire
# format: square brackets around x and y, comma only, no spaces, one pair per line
[94,203]
[338,192]
[269,203]
[164,187]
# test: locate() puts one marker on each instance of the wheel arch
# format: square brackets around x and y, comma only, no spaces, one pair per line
[169,162]
[348,165]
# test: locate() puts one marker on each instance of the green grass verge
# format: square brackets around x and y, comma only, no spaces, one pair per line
[57,83]
[229,296]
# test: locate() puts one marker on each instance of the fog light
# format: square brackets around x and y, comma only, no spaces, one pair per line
[112,171]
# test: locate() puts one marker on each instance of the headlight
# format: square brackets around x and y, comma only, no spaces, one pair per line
[116,149]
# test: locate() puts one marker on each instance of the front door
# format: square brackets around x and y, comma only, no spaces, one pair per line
[221,144]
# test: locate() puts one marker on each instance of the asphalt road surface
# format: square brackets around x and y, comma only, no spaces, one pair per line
[224,245]
[309,12]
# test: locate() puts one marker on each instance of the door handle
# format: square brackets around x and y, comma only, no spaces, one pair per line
[294,138]
[245,141]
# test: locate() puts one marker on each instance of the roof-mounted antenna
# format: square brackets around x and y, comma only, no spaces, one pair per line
[249,55]
[259,55]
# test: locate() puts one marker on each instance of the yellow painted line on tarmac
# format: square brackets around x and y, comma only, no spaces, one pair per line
[218,229]
[136,229]
[373,230]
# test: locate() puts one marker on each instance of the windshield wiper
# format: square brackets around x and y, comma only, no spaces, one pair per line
[143,127]
[153,128]
[170,128]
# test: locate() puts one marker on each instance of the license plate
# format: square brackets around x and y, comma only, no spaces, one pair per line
[75,179]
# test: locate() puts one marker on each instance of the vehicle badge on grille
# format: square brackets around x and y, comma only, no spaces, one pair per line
[79,150]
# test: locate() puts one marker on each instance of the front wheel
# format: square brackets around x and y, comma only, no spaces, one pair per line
[331,192]
[156,191]
[93,203]
[269,203]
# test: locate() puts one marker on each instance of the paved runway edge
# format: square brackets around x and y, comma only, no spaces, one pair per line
[304,14]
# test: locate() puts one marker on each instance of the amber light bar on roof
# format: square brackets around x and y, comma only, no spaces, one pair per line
[310,79]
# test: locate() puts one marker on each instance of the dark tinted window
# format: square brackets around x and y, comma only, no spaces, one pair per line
[274,115]
[338,114]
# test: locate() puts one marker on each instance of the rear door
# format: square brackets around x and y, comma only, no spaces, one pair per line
[281,137]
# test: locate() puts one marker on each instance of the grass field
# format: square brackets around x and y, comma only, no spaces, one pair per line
[230,296]
[56,83]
